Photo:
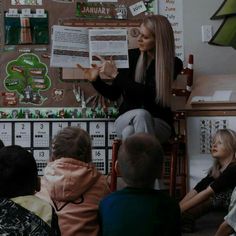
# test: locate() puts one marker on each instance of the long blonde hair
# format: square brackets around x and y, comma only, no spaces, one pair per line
[228,138]
[161,28]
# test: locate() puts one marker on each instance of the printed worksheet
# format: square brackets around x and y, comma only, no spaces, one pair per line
[109,44]
[78,45]
[69,47]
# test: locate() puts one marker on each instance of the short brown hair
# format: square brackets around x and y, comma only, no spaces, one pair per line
[140,159]
[72,142]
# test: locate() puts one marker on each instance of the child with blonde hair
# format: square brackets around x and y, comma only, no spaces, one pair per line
[213,191]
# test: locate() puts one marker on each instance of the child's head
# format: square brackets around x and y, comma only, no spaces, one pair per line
[140,159]
[72,142]
[18,172]
[223,147]
[227,138]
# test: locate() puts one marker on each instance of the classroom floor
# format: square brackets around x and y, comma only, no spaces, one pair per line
[207,225]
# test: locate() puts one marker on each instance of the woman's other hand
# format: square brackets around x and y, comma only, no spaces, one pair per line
[90,74]
[107,68]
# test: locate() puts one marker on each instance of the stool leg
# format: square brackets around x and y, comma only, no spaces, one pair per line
[115,147]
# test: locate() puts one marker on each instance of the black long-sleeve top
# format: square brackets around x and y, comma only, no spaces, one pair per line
[224,182]
[137,95]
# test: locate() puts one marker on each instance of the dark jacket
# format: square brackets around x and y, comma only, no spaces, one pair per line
[18,220]
[139,212]
[136,95]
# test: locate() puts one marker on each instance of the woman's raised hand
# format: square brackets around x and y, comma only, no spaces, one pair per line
[107,68]
[90,74]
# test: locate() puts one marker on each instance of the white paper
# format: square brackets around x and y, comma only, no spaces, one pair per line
[41,157]
[82,125]
[173,10]
[41,134]
[69,47]
[25,2]
[137,8]
[78,45]
[6,133]
[23,134]
[218,96]
[222,95]
[97,133]
[201,99]
[109,43]
[58,126]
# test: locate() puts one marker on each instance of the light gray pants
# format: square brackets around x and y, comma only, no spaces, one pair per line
[141,121]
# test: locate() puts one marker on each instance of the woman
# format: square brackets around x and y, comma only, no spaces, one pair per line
[145,86]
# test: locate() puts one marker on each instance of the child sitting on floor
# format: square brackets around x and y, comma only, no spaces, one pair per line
[21,212]
[213,191]
[139,209]
[228,227]
[72,183]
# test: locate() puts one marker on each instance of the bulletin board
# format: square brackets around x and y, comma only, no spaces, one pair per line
[27,80]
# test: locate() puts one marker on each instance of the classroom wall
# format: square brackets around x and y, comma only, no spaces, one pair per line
[208,59]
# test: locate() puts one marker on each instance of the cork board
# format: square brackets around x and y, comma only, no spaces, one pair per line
[27,80]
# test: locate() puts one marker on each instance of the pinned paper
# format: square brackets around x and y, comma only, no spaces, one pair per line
[26,12]
[137,8]
[12,12]
[26,2]
[40,13]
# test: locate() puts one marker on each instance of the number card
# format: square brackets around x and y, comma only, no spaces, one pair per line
[97,133]
[99,160]
[111,133]
[6,133]
[41,157]
[109,160]
[22,134]
[57,126]
[82,125]
[41,134]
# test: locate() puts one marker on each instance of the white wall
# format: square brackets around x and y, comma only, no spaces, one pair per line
[208,59]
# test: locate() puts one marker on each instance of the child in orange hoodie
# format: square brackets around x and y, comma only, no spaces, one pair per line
[72,184]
